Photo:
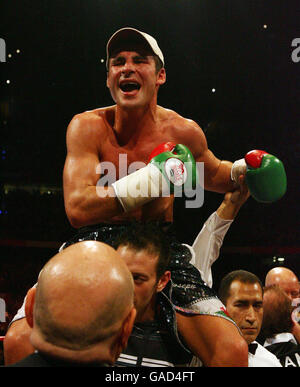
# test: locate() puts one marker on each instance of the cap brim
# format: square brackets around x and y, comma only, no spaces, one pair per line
[128,38]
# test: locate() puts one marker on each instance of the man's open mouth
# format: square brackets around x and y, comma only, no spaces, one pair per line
[129,86]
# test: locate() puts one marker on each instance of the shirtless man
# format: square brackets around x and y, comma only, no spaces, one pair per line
[134,127]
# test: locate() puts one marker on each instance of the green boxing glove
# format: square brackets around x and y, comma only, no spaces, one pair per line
[265,176]
[178,167]
[170,168]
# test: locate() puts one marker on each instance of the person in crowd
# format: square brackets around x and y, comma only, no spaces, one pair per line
[81,312]
[147,253]
[242,294]
[288,281]
[277,326]
[154,340]
[207,244]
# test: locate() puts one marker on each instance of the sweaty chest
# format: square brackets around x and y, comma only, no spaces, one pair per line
[126,159]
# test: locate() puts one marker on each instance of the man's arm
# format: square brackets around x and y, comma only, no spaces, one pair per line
[214,340]
[17,343]
[217,173]
[208,242]
[85,203]
[207,245]
[234,200]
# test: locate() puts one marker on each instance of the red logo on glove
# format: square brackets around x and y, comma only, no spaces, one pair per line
[176,171]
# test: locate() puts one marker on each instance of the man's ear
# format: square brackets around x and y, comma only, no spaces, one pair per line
[161,76]
[127,327]
[162,283]
[126,330]
[29,304]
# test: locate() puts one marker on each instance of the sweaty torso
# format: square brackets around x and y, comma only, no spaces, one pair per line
[122,152]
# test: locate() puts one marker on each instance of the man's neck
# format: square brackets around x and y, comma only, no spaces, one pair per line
[98,353]
[130,123]
[148,314]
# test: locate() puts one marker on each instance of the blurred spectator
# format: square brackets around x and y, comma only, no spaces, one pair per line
[277,327]
[287,280]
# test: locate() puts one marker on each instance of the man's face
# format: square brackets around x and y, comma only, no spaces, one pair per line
[286,280]
[142,266]
[245,307]
[291,288]
[132,79]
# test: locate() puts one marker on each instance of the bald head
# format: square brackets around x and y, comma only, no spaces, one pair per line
[83,296]
[286,279]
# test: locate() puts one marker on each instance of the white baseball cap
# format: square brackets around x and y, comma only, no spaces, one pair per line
[128,34]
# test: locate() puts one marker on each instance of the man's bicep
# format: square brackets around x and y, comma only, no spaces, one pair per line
[81,165]
[82,155]
[80,181]
[81,171]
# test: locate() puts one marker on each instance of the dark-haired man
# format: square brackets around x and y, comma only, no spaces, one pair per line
[242,294]
[126,133]
[154,340]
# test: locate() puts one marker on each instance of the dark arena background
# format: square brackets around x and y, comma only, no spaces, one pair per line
[232,66]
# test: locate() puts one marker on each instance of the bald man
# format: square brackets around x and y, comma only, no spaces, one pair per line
[81,311]
[284,278]
[287,280]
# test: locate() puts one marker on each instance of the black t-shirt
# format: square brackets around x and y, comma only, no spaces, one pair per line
[288,353]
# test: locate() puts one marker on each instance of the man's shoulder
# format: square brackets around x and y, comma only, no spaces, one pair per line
[171,115]
[96,121]
[183,130]
[97,116]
